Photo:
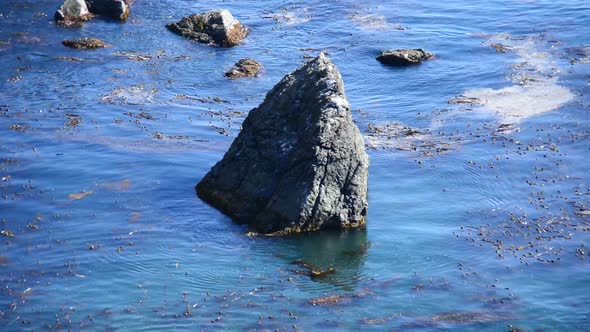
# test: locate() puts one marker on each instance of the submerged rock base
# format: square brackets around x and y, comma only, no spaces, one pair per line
[299,164]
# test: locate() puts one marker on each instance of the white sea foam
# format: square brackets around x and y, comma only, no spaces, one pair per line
[522,101]
[535,88]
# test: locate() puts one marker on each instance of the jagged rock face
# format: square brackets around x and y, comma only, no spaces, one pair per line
[72,11]
[244,68]
[299,164]
[404,57]
[217,27]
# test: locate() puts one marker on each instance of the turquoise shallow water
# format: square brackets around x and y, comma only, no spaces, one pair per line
[477,223]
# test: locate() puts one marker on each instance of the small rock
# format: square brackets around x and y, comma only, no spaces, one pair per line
[84,43]
[217,27]
[244,68]
[72,11]
[404,57]
[7,233]
[299,164]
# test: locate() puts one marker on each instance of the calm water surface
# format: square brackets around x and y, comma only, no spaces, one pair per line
[479,222]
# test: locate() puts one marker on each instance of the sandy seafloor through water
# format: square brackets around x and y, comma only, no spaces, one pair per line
[479,185]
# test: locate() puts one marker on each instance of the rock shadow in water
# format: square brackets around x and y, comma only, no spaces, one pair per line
[332,257]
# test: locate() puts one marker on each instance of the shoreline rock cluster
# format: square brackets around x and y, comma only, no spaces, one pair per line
[299,164]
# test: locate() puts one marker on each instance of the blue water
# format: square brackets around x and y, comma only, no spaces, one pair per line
[109,234]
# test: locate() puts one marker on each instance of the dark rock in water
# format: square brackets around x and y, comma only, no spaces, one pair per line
[404,57]
[217,27]
[115,9]
[84,43]
[76,11]
[299,164]
[72,11]
[244,68]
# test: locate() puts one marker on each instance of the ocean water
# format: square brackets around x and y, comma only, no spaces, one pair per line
[478,216]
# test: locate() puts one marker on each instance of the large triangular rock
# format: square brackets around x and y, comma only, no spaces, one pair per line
[299,164]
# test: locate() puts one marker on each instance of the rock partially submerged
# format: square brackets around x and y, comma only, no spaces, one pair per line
[73,11]
[404,57]
[115,9]
[299,164]
[76,11]
[216,27]
[84,43]
[244,68]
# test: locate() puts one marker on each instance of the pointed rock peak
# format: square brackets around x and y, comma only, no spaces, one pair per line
[320,63]
[299,164]
[317,78]
[322,59]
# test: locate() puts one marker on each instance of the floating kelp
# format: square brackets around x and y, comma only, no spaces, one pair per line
[338,299]
[525,238]
[312,271]
[289,15]
[453,319]
[138,94]
[135,216]
[69,58]
[577,55]
[74,120]
[7,233]
[116,186]
[81,195]
[368,20]
[19,127]
[4,261]
[397,136]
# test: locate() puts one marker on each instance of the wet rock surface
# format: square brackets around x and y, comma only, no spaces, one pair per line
[73,11]
[404,57]
[299,164]
[216,27]
[84,43]
[244,68]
